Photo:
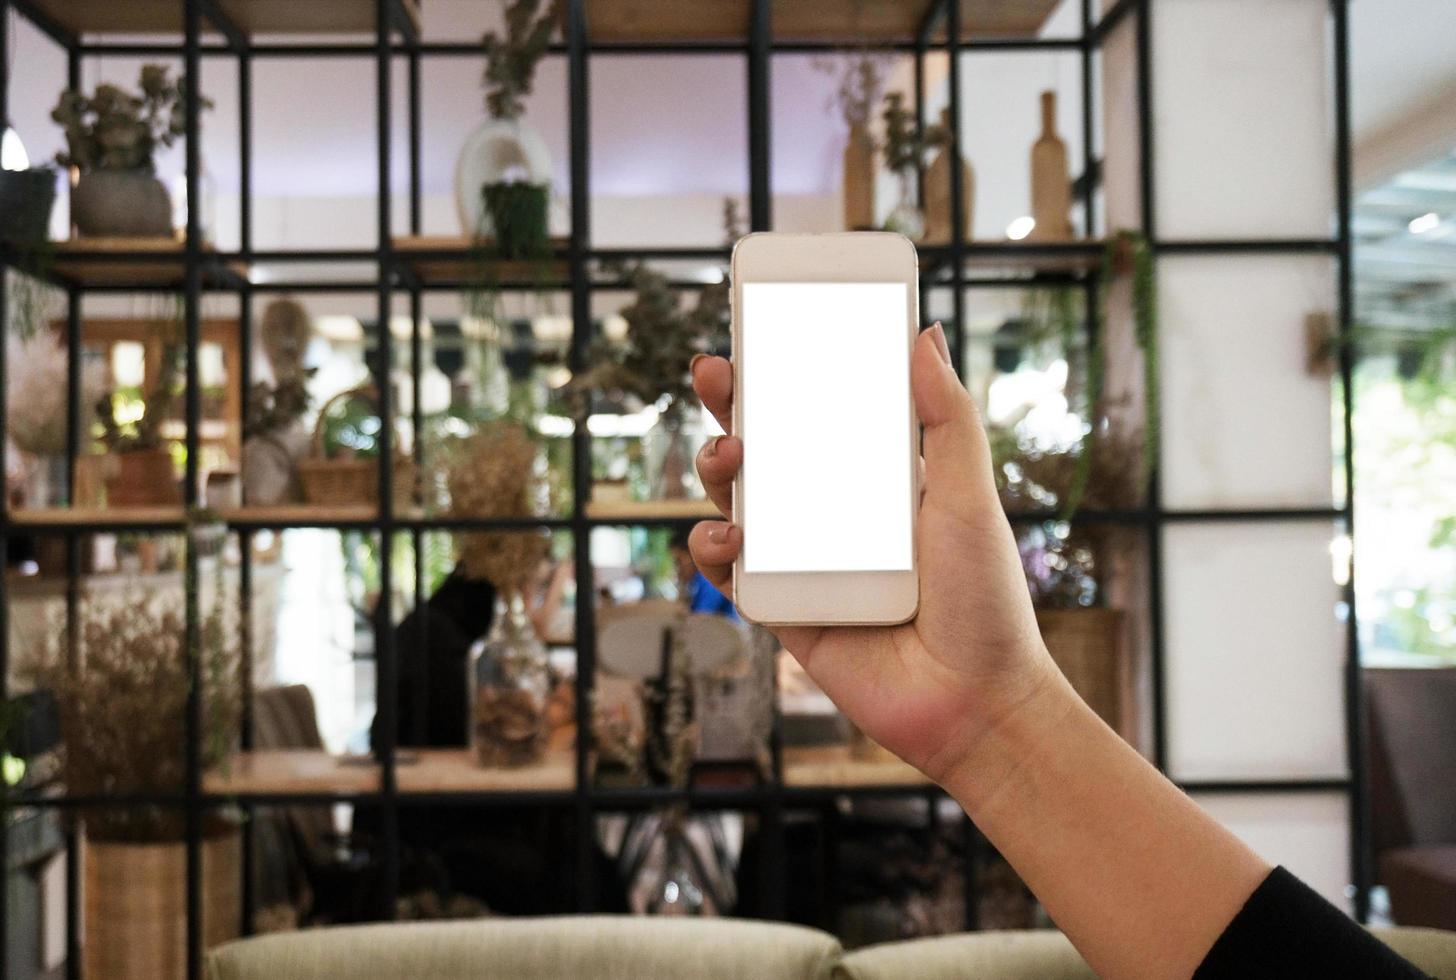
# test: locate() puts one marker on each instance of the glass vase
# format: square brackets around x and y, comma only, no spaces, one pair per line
[510,684]
[906,217]
[668,457]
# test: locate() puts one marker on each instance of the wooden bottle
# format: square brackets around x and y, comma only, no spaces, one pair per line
[937,193]
[1051,185]
[859,179]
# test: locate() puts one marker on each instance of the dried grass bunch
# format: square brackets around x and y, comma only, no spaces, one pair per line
[493,473]
[36,397]
[123,706]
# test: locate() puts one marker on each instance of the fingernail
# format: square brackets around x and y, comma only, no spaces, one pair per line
[710,448]
[693,364]
[718,533]
[937,333]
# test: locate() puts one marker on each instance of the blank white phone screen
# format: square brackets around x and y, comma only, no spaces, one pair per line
[827,476]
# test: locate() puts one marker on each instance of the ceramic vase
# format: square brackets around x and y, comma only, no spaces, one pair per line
[1051,184]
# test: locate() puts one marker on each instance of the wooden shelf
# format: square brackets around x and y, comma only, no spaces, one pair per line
[455,259]
[833,766]
[649,510]
[658,22]
[62,517]
[301,515]
[249,16]
[265,771]
[115,262]
[314,771]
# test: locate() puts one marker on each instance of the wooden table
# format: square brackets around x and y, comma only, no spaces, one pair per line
[314,771]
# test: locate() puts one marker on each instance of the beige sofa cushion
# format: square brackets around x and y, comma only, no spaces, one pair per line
[620,947]
[1049,955]
[1433,951]
[605,947]
[1032,955]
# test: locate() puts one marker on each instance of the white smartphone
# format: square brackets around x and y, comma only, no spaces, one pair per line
[823,326]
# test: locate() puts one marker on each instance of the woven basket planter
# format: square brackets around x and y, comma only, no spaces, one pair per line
[135,902]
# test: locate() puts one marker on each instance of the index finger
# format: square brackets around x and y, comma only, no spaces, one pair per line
[713,381]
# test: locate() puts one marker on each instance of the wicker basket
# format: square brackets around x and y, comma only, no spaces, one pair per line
[135,901]
[1087,645]
[349,480]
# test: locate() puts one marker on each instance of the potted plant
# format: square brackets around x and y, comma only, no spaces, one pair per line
[121,694]
[131,430]
[112,136]
[650,366]
[905,151]
[503,177]
[860,79]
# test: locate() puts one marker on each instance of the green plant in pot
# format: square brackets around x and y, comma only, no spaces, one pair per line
[112,137]
[131,430]
[503,178]
[651,366]
[121,684]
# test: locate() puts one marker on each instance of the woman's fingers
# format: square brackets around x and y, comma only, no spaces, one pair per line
[714,546]
[957,458]
[713,381]
[718,463]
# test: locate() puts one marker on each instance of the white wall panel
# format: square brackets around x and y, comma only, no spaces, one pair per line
[1306,832]
[1241,99]
[1254,656]
[1245,425]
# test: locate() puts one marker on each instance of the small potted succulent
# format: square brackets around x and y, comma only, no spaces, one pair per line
[112,137]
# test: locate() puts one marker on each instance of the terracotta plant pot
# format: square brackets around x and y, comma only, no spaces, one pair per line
[121,203]
[135,905]
[143,478]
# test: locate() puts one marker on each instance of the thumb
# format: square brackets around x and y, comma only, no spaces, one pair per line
[958,476]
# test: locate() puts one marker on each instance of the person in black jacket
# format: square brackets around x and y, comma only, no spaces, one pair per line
[517,860]
[1142,881]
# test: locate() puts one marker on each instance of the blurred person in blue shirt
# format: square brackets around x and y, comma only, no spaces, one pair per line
[696,592]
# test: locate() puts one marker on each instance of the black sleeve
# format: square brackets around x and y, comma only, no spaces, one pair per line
[1286,930]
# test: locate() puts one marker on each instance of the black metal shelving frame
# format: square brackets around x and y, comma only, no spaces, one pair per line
[396,39]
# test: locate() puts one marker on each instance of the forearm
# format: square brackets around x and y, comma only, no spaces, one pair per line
[1138,877]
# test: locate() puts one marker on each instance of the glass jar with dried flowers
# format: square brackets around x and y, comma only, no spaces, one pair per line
[494,473]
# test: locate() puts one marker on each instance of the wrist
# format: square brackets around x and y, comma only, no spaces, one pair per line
[998,758]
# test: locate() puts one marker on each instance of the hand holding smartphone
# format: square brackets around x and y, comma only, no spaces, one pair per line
[823,327]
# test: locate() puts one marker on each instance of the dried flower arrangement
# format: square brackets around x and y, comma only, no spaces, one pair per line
[114,129]
[662,338]
[859,83]
[36,398]
[493,473]
[510,61]
[122,699]
[509,726]
[904,148]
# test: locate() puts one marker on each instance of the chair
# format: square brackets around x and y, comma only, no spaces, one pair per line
[303,861]
[1412,725]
